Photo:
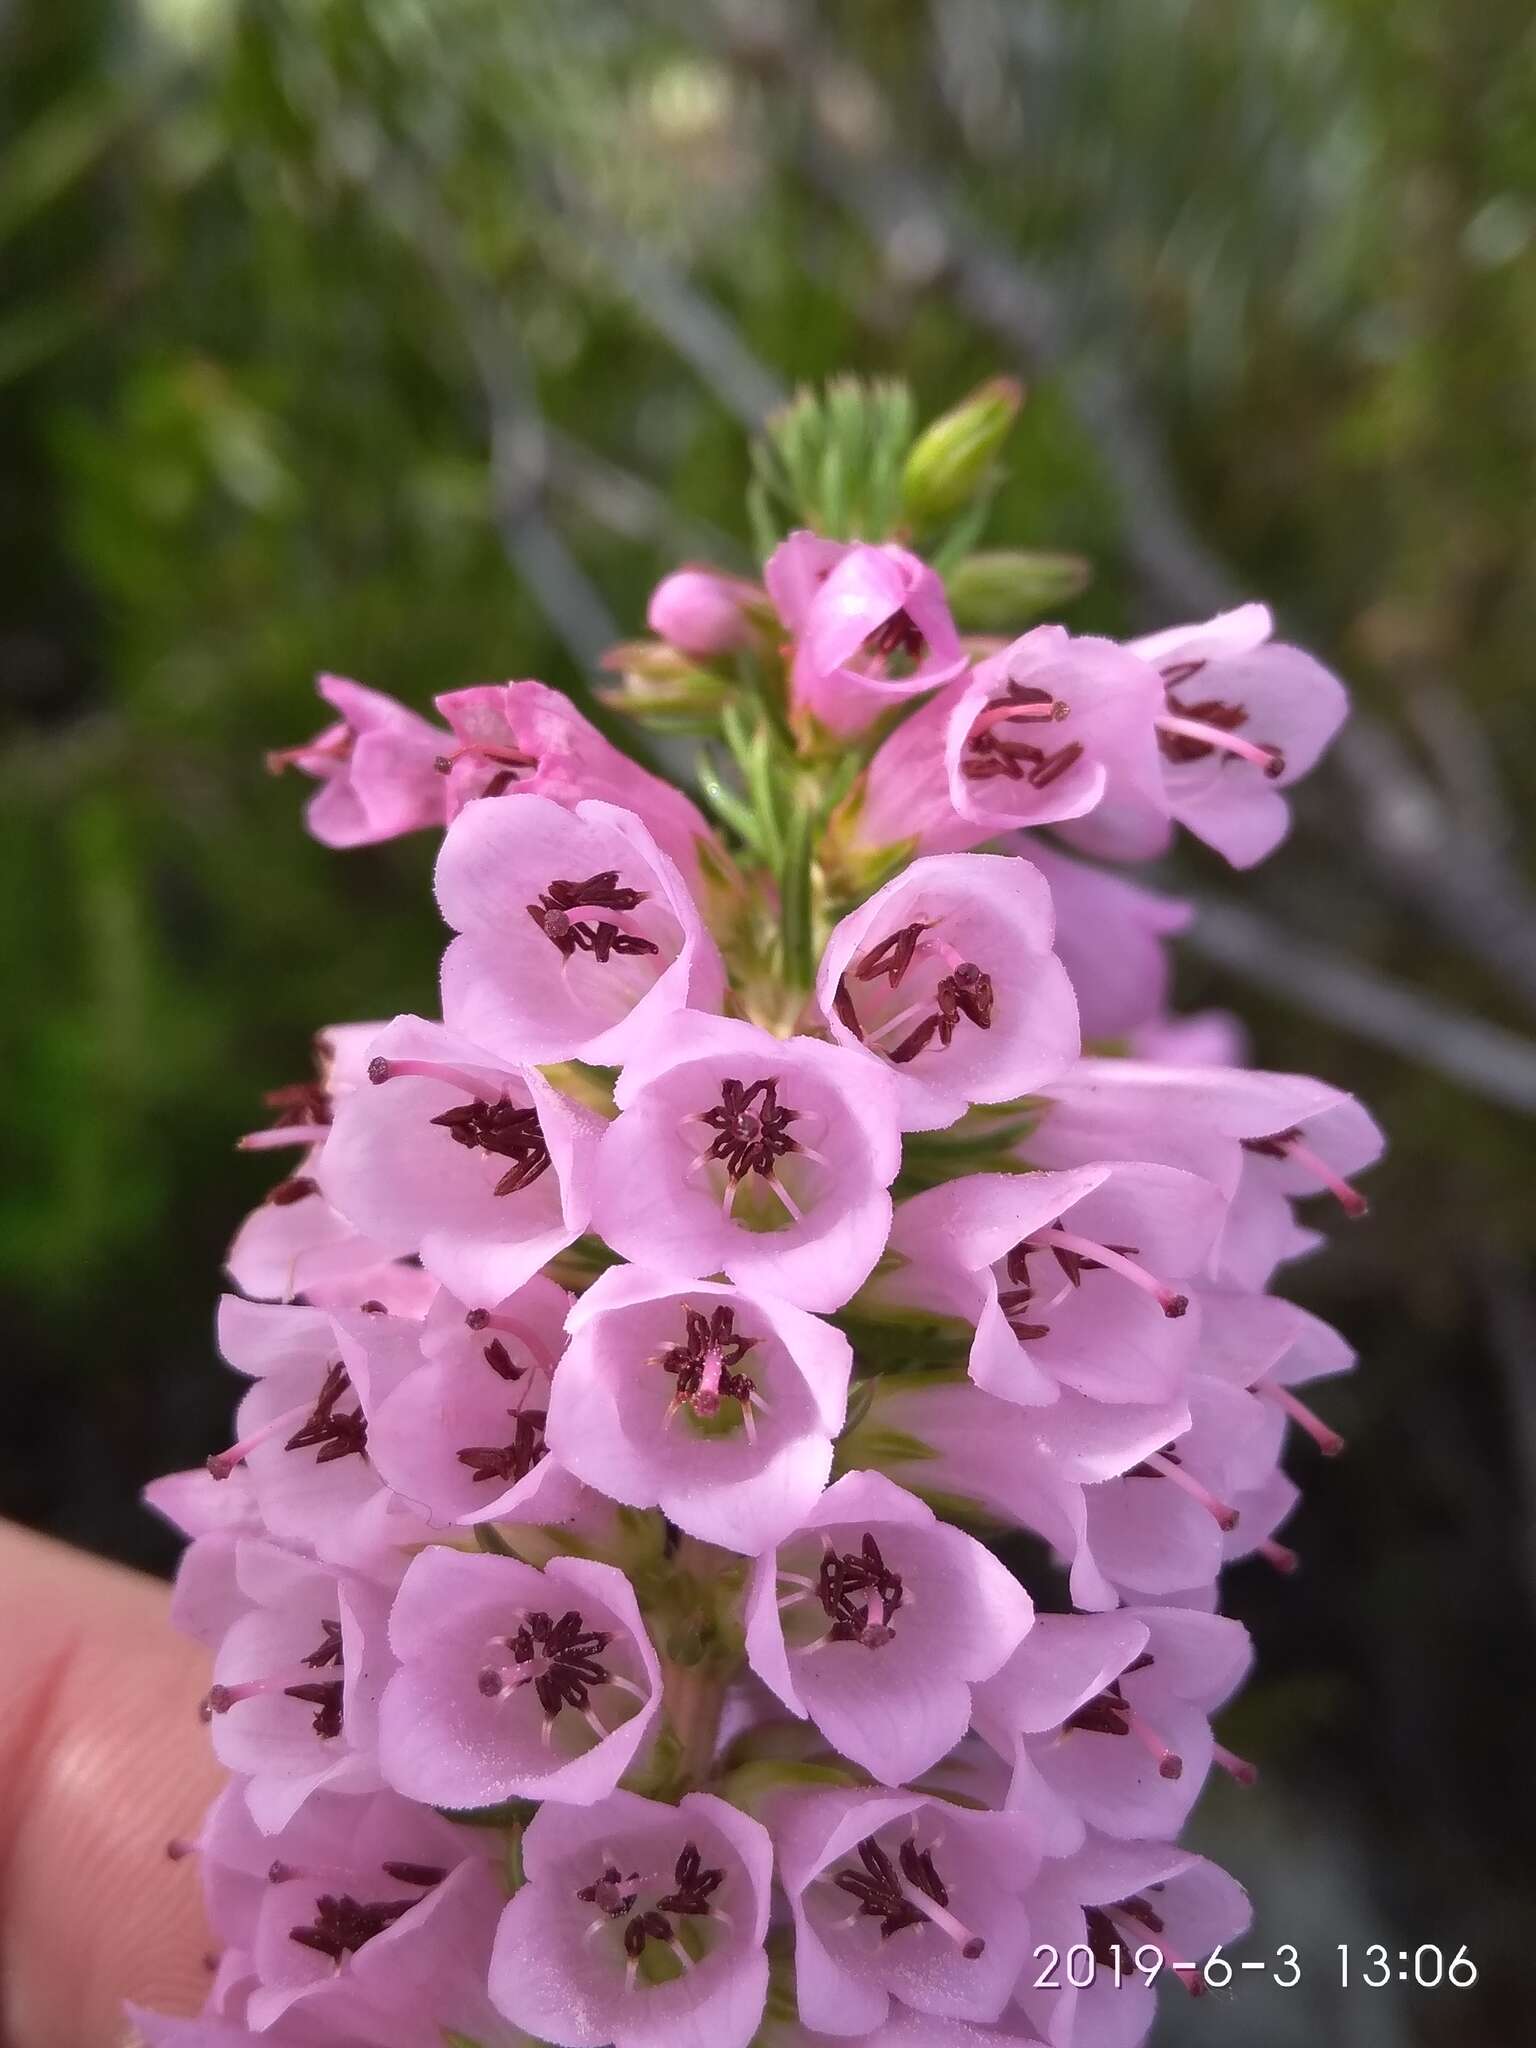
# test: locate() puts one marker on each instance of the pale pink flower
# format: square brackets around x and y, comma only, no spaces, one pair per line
[876,630]
[375,767]
[716,1404]
[526,739]
[946,975]
[1242,718]
[1116,1899]
[901,1900]
[639,1925]
[767,1159]
[576,932]
[478,1165]
[1041,732]
[875,1619]
[462,1435]
[515,1682]
[1105,1718]
[300,1663]
[1078,1279]
[796,571]
[302,1430]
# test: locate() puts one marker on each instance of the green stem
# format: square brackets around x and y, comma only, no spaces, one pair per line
[695,1697]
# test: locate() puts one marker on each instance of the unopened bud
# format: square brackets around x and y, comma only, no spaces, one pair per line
[952,459]
[1002,590]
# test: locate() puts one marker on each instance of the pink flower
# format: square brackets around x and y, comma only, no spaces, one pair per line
[1075,1279]
[1259,1137]
[717,1405]
[526,739]
[1109,935]
[303,1429]
[577,932]
[295,1240]
[515,1682]
[702,612]
[796,571]
[874,1619]
[1044,731]
[300,1665]
[478,1165]
[1121,1899]
[374,766]
[639,1925]
[947,976]
[899,1900]
[1308,1155]
[462,1436]
[876,630]
[767,1159]
[1163,1529]
[1243,717]
[1104,1718]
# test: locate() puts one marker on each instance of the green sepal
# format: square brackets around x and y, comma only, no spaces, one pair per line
[508,1813]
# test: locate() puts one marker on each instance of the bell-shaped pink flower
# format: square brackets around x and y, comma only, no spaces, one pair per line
[903,1901]
[1240,1128]
[764,1158]
[302,1430]
[294,1241]
[874,1619]
[639,1925]
[1077,1279]
[946,975]
[1110,937]
[514,1682]
[876,630]
[703,612]
[524,739]
[301,1661]
[795,572]
[1242,718]
[478,1165]
[576,932]
[1162,1529]
[1041,732]
[1118,1899]
[375,767]
[715,1404]
[462,1436]
[1318,1154]
[1105,1718]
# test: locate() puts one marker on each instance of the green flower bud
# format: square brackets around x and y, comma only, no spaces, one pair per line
[951,461]
[1003,590]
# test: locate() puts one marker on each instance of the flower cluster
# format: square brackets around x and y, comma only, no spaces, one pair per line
[605,1646]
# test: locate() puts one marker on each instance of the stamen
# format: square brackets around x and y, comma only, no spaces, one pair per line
[1288,1145]
[509,1326]
[1041,706]
[1235,1766]
[222,1464]
[1169,1763]
[1328,1441]
[1089,1253]
[1279,1556]
[1212,738]
[381,1070]
[1226,1517]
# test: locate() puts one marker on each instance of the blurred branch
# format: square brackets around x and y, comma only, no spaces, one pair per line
[519,443]
[1497,1064]
[667,297]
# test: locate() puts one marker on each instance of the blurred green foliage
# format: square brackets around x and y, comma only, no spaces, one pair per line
[414,338]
